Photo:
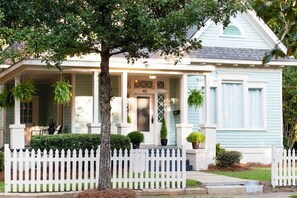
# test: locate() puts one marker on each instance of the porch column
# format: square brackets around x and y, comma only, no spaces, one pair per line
[184,129]
[207,97]
[17,130]
[95,126]
[123,127]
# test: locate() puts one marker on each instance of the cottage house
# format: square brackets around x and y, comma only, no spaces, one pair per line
[243,98]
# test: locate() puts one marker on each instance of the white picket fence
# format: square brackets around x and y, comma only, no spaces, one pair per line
[283,167]
[36,171]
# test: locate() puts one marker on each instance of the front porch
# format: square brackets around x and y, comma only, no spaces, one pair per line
[141,98]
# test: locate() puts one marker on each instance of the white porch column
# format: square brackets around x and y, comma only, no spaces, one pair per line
[95,126]
[184,129]
[123,127]
[17,130]
[207,97]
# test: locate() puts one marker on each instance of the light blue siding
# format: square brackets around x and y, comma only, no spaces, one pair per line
[258,138]
[174,85]
[251,39]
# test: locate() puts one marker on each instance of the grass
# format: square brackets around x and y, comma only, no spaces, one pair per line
[256,173]
[190,183]
[293,196]
[1,186]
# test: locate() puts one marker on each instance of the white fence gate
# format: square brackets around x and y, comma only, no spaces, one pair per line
[36,171]
[283,167]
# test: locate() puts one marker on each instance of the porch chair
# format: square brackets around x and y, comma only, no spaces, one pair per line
[58,130]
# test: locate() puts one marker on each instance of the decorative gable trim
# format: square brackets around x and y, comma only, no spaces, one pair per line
[264,30]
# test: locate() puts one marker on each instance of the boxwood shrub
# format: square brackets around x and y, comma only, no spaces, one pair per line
[227,159]
[77,141]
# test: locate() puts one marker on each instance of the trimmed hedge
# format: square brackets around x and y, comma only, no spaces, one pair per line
[226,159]
[77,141]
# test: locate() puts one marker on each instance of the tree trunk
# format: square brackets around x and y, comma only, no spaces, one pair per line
[104,167]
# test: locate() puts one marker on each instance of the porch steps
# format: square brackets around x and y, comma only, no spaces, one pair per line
[223,185]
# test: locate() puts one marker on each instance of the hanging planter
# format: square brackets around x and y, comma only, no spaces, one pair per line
[195,98]
[24,91]
[62,92]
[6,98]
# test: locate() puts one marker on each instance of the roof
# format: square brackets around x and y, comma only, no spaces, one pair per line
[232,54]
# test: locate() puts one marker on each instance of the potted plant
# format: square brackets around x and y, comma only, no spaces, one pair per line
[136,138]
[196,138]
[24,91]
[62,91]
[163,133]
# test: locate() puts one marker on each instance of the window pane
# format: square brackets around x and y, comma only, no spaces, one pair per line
[26,113]
[232,105]
[255,108]
[143,114]
[231,30]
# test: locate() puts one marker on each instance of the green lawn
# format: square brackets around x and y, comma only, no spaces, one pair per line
[256,173]
[1,186]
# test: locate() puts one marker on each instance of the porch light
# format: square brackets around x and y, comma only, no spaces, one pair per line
[152,77]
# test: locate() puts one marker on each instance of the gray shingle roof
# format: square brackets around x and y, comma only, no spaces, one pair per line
[232,54]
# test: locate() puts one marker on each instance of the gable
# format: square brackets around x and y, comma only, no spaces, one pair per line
[241,33]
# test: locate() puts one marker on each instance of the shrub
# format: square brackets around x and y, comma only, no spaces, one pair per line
[77,141]
[228,158]
[219,149]
[163,131]
[1,161]
[108,193]
[196,137]
[136,137]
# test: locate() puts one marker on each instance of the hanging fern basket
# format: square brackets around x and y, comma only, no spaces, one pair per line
[6,98]
[62,92]
[195,98]
[24,91]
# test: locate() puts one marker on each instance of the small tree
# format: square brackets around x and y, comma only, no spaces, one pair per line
[163,131]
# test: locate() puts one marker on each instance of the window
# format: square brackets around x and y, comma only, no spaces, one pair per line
[255,108]
[232,105]
[26,112]
[213,107]
[231,30]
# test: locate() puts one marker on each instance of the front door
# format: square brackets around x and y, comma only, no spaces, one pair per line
[145,117]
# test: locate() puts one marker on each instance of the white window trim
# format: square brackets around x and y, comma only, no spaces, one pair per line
[246,85]
[233,78]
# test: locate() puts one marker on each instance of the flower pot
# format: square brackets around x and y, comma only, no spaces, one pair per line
[195,145]
[135,145]
[164,142]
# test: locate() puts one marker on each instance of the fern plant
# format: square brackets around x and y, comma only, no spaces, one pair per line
[24,91]
[195,98]
[6,98]
[62,92]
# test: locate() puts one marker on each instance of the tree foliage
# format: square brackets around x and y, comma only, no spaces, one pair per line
[281,16]
[289,105]
[53,30]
